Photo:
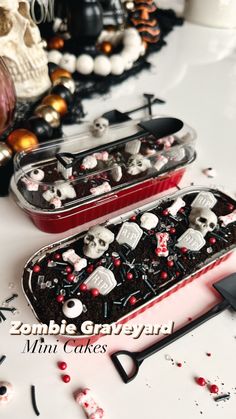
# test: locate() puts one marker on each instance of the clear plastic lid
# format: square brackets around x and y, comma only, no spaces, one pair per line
[66,173]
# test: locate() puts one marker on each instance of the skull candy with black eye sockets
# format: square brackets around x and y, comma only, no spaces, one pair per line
[203,220]
[97,241]
[100,126]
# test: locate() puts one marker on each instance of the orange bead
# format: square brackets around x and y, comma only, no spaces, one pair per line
[21,139]
[56,43]
[106,47]
[60,72]
[56,102]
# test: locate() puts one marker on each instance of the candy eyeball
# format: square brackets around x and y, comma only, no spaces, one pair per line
[6,392]
[72,308]
[37,174]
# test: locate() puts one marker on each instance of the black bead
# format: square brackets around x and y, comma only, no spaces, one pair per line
[40,128]
[52,67]
[63,92]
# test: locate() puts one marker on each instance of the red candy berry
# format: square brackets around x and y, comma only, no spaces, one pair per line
[62,365]
[165,212]
[184,250]
[170,263]
[179,364]
[90,269]
[70,277]
[36,268]
[214,389]
[230,207]
[212,240]
[177,273]
[201,381]
[117,262]
[172,230]
[132,300]
[181,210]
[60,298]
[71,177]
[95,293]
[164,275]
[129,275]
[57,256]
[66,378]
[82,168]
[133,218]
[68,269]
[83,287]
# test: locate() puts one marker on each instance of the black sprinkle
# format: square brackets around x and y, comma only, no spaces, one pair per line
[222,398]
[2,359]
[33,399]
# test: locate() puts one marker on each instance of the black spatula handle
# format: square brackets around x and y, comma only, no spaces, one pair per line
[139,357]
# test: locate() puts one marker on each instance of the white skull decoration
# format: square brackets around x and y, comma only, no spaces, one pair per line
[21,47]
[138,164]
[97,241]
[100,126]
[203,220]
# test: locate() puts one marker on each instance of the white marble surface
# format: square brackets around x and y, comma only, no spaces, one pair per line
[196,75]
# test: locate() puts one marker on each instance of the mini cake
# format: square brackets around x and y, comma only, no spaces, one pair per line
[112,272]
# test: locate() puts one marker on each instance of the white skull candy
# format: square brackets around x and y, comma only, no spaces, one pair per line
[97,241]
[138,164]
[22,48]
[203,220]
[100,126]
[58,193]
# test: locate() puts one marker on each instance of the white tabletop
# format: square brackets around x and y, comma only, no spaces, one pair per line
[196,75]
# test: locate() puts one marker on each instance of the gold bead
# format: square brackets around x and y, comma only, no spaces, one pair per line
[49,114]
[66,82]
[21,139]
[56,43]
[60,72]
[5,154]
[106,47]
[56,102]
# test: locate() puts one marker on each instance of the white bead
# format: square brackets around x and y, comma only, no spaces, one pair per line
[85,64]
[117,64]
[127,59]
[133,52]
[132,41]
[102,65]
[54,56]
[68,62]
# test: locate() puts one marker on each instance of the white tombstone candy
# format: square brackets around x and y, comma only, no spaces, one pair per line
[204,200]
[103,188]
[161,162]
[133,147]
[116,173]
[203,220]
[68,62]
[175,207]
[130,234]
[149,220]
[100,126]
[102,279]
[228,219]
[74,259]
[137,163]
[89,162]
[97,241]
[72,308]
[162,240]
[191,239]
[85,64]
[65,171]
[91,409]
